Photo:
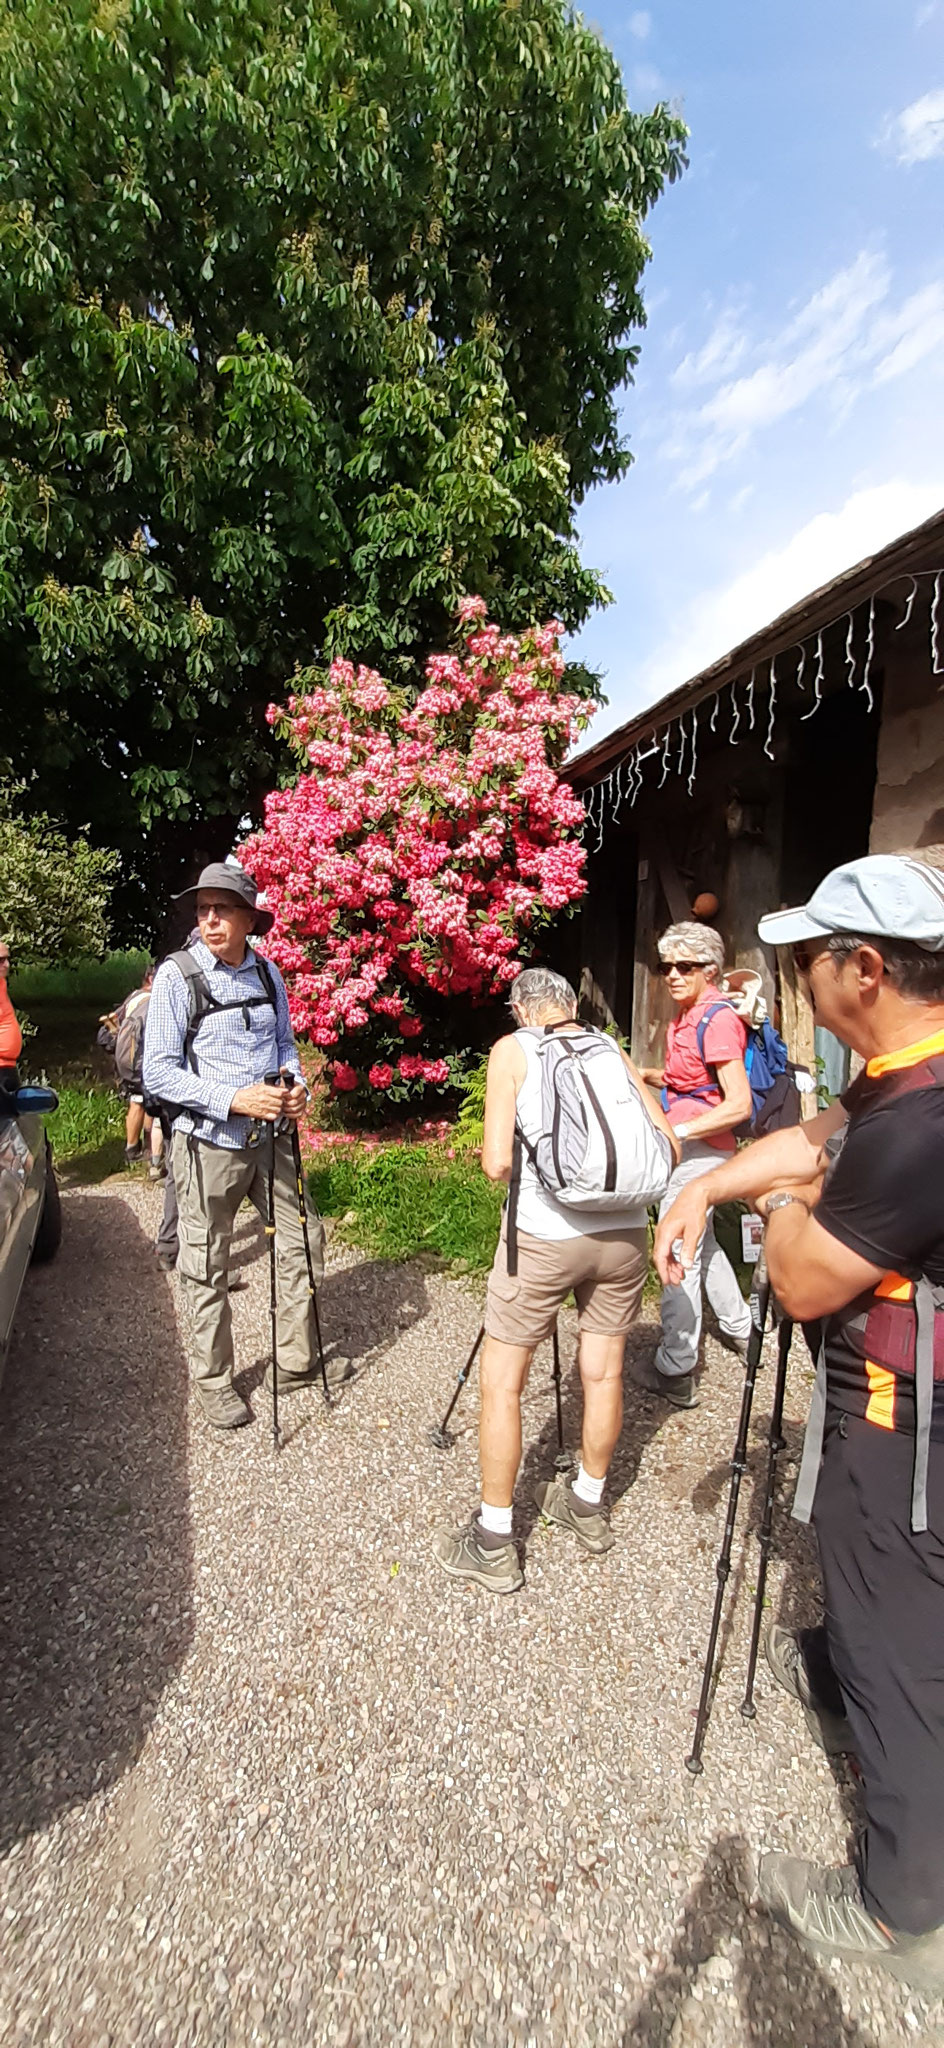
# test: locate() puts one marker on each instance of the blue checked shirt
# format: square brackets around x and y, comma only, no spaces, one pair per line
[232,1049]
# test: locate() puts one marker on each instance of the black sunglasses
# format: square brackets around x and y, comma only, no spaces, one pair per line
[682,966]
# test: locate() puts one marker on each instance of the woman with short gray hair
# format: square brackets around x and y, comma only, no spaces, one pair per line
[706,1094]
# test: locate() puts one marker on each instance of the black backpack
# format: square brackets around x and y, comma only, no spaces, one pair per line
[203,1003]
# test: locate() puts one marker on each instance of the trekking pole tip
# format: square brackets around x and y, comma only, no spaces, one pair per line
[748,1710]
[441,1439]
[694,1764]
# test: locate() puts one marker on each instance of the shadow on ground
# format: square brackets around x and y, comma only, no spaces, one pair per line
[643,1417]
[95,1541]
[784,1999]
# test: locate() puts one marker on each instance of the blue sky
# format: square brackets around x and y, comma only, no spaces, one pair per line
[787,414]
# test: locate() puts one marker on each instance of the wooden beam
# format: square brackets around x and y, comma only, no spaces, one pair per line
[797,1022]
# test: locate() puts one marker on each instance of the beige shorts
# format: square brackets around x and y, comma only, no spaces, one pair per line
[605,1272]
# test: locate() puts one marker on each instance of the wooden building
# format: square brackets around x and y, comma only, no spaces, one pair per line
[819,739]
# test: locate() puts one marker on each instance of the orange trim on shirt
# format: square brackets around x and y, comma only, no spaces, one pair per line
[892,1287]
[881,1408]
[907,1056]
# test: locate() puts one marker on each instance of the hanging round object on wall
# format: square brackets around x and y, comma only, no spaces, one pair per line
[705,905]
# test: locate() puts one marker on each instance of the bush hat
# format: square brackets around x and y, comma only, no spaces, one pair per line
[234,880]
[881,896]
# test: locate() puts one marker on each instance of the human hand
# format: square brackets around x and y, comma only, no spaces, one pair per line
[263,1103]
[295,1101]
[683,1224]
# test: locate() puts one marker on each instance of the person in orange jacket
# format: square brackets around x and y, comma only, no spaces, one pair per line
[11,1037]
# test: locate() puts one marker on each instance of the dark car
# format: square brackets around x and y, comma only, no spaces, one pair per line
[30,1214]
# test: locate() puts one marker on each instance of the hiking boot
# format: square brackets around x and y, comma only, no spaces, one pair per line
[590,1525]
[166,1260]
[825,1910]
[677,1387]
[224,1407]
[336,1370]
[783,1650]
[467,1554]
[132,1154]
[157,1170]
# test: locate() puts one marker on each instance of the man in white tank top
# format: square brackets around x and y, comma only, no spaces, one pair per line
[600,1256]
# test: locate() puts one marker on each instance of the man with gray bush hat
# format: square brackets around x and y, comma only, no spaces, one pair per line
[855,1247]
[217,1025]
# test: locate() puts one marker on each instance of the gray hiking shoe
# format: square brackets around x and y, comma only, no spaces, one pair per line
[679,1388]
[784,1654]
[224,1407]
[825,1910]
[556,1502]
[464,1556]
[336,1369]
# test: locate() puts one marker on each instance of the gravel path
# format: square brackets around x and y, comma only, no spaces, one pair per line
[267,1777]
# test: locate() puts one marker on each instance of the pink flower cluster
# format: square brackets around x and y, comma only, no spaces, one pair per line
[422,841]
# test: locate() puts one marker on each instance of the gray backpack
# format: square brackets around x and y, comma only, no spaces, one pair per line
[598,1148]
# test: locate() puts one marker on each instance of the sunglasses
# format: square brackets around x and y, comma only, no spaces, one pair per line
[667,967]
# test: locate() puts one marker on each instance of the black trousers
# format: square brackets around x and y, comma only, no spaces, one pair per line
[884,1591]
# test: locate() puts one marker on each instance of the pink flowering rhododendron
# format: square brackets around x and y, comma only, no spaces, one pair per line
[423,843]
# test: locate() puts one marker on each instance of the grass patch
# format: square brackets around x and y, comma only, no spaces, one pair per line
[97,983]
[88,1131]
[405,1199]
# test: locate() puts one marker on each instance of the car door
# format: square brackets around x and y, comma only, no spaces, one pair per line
[22,1174]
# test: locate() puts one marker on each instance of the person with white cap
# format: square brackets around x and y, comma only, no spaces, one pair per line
[855,1246]
[705,1094]
[218,1023]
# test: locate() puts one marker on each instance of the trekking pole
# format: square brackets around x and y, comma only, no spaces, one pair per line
[440,1435]
[563,1460]
[776,1444]
[273,1312]
[760,1302]
[288,1079]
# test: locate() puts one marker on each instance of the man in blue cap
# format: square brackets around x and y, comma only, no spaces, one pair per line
[855,1245]
[218,1023]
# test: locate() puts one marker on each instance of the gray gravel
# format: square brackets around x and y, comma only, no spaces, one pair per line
[267,1777]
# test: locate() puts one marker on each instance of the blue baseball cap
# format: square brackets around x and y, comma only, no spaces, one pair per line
[882,896]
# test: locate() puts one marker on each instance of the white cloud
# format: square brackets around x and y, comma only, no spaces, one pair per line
[826,545]
[645,82]
[848,337]
[639,25]
[926,13]
[917,133]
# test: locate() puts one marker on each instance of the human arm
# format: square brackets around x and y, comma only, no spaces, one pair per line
[653,1076]
[734,1108]
[792,1158]
[296,1097]
[506,1071]
[654,1110]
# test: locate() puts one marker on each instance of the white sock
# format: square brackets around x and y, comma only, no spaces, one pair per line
[590,1490]
[496,1520]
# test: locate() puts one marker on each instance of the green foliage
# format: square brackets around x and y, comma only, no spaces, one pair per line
[313,316]
[100,984]
[470,1122]
[405,1199]
[54,892]
[88,1130]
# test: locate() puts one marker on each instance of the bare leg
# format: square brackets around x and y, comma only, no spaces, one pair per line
[504,1371]
[134,1123]
[601,1372]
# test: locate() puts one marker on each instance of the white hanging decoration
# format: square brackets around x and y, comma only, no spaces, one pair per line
[818,678]
[866,684]
[735,706]
[936,667]
[665,756]
[601,821]
[768,749]
[691,772]
[909,608]
[801,671]
[850,652]
[750,700]
[683,739]
[618,771]
[714,712]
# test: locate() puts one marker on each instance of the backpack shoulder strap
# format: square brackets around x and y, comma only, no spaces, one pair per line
[703,1022]
[265,975]
[199,998]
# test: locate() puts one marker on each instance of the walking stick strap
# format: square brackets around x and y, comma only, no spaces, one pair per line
[812,1444]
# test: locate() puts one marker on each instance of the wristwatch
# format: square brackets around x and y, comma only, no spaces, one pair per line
[780,1200]
[682,1130]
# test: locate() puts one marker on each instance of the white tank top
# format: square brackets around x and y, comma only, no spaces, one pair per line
[538,1213]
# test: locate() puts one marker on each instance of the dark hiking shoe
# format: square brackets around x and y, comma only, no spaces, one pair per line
[224,1407]
[466,1554]
[336,1368]
[784,1653]
[825,1910]
[557,1504]
[132,1154]
[166,1260]
[677,1387]
[157,1170]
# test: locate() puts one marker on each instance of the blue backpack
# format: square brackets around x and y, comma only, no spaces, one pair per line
[775,1097]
